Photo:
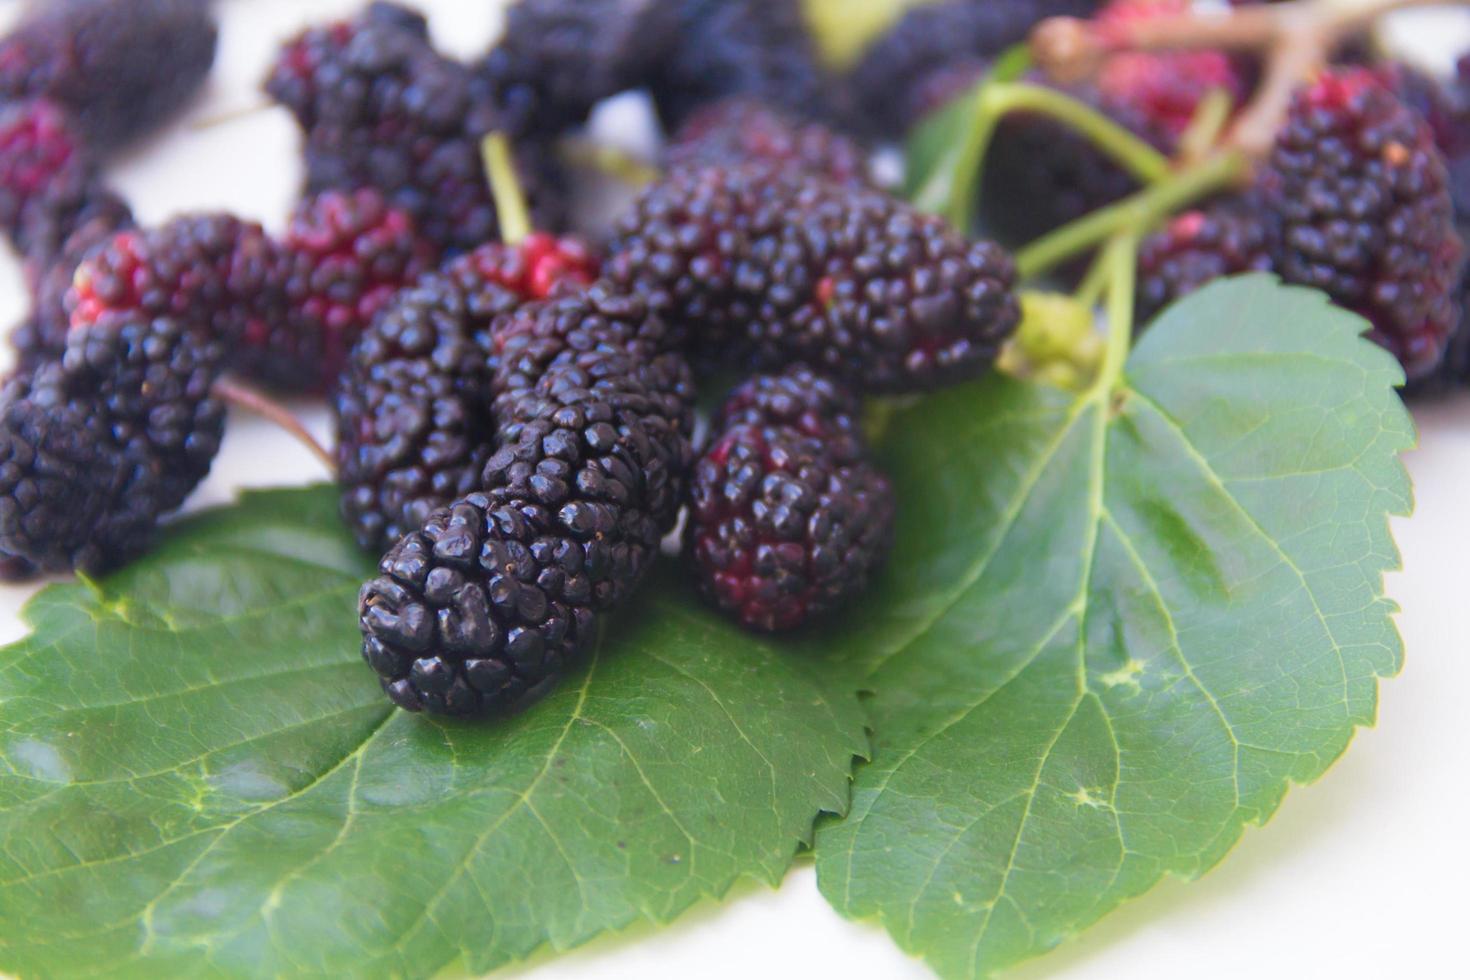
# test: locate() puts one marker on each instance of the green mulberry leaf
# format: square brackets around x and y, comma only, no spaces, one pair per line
[198,776]
[1115,629]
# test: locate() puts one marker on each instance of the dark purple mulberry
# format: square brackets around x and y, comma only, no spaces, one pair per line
[893,84]
[118,68]
[414,427]
[557,58]
[740,130]
[96,448]
[788,519]
[757,48]
[216,273]
[1198,247]
[1362,211]
[766,268]
[380,108]
[483,608]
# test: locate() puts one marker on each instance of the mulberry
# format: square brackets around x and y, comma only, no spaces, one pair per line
[739,130]
[484,607]
[894,84]
[213,272]
[757,48]
[767,268]
[557,58]
[413,406]
[49,181]
[380,108]
[97,447]
[787,520]
[343,257]
[1198,247]
[1359,194]
[119,69]
[42,336]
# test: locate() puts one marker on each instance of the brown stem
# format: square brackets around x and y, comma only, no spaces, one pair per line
[226,116]
[1297,38]
[234,392]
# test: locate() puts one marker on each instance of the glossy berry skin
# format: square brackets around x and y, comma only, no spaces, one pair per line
[414,426]
[763,268]
[1362,210]
[484,606]
[95,449]
[788,519]
[119,69]
[380,108]
[1196,248]
[740,130]
[343,257]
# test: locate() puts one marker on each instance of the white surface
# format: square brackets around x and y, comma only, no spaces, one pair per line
[1361,875]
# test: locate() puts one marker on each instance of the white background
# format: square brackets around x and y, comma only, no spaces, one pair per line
[1363,874]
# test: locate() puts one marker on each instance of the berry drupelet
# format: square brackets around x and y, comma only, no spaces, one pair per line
[414,427]
[1361,209]
[97,447]
[120,69]
[787,517]
[738,130]
[484,606]
[380,108]
[766,268]
[343,257]
[1197,247]
[907,72]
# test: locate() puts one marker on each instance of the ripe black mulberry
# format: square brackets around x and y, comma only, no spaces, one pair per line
[740,130]
[484,607]
[766,268]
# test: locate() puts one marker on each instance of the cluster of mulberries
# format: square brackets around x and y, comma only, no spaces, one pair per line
[413,408]
[788,518]
[98,446]
[933,51]
[762,267]
[380,108]
[742,129]
[1361,209]
[118,69]
[485,604]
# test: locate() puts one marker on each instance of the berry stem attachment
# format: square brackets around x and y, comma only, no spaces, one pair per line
[1136,215]
[614,161]
[226,117]
[505,188]
[234,392]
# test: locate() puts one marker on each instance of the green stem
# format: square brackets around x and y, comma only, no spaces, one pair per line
[1122,265]
[1137,214]
[505,187]
[1134,155]
[970,164]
